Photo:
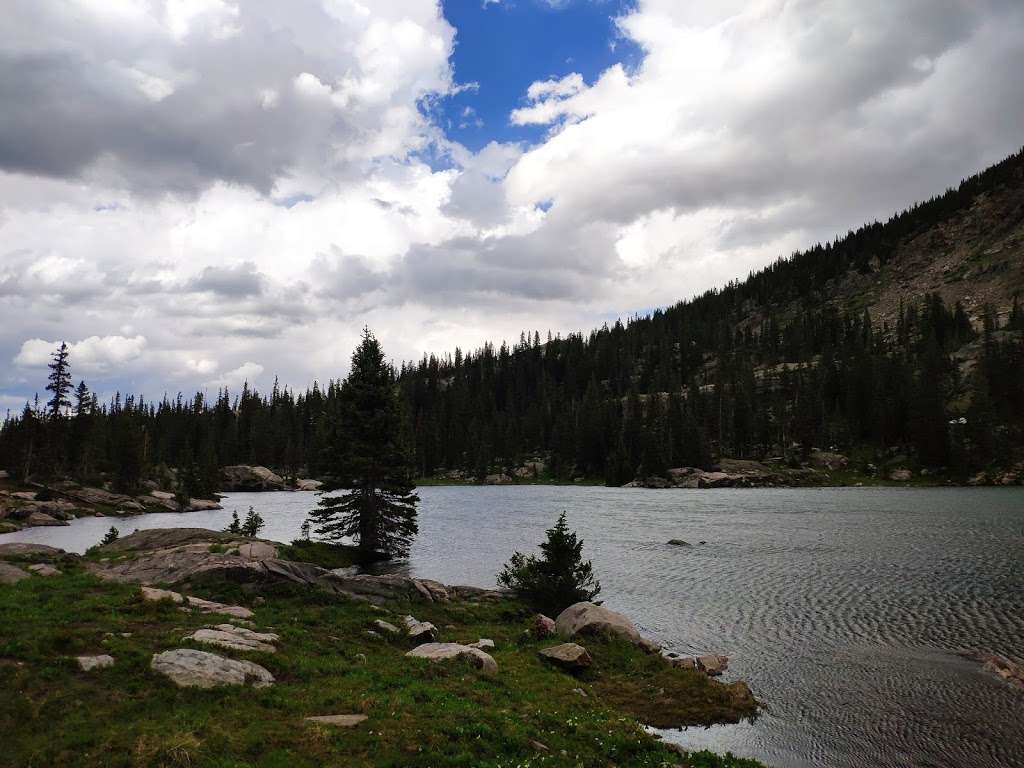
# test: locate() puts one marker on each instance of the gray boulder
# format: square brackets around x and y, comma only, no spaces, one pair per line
[89,663]
[712,664]
[419,630]
[11,574]
[188,668]
[435,652]
[568,656]
[543,626]
[245,478]
[235,638]
[585,618]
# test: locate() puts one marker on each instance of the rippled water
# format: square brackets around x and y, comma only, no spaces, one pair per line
[843,608]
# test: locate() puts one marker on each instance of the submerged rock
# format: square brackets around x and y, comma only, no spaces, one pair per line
[188,668]
[436,652]
[678,543]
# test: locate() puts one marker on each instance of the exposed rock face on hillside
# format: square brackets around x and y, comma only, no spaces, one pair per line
[244,478]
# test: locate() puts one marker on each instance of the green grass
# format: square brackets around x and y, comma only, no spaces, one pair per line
[325,555]
[420,715]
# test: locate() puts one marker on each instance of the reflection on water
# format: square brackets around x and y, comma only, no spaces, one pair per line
[843,609]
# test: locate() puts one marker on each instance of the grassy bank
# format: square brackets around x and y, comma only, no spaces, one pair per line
[529,714]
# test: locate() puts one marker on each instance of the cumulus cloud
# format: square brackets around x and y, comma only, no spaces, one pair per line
[247,372]
[179,94]
[94,354]
[188,186]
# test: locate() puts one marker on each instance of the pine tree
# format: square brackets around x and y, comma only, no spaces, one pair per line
[557,579]
[59,382]
[235,526]
[253,524]
[368,460]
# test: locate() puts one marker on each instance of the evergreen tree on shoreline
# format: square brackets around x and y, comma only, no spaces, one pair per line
[367,458]
[59,383]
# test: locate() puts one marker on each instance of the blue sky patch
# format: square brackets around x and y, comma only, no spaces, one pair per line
[505,46]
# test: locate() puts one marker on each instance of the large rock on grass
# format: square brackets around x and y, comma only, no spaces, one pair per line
[235,638]
[568,656]
[25,549]
[11,574]
[189,668]
[583,619]
[436,652]
[419,630]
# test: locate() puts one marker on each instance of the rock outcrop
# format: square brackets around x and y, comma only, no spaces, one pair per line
[241,477]
[585,618]
[436,652]
[189,668]
[183,555]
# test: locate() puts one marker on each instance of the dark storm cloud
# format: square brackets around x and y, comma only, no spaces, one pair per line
[239,281]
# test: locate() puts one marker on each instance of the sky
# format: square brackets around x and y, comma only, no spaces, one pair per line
[199,193]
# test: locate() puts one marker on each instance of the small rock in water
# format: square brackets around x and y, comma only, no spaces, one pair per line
[678,543]
[89,663]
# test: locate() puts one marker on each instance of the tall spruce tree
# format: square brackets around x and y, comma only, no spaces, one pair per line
[59,383]
[367,458]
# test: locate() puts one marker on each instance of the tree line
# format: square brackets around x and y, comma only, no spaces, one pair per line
[766,367]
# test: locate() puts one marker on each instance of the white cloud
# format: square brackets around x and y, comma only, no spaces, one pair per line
[94,354]
[259,189]
[247,372]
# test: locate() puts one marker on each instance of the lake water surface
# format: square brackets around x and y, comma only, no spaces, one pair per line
[844,609]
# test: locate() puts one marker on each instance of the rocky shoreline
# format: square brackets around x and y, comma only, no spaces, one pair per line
[170,610]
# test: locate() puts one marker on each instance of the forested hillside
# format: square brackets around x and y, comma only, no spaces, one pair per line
[899,339]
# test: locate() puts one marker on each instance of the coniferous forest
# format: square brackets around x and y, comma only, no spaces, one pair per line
[799,355]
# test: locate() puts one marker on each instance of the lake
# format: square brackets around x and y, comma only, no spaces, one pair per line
[843,609]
